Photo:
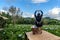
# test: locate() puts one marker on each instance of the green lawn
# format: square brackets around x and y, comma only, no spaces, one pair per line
[17,32]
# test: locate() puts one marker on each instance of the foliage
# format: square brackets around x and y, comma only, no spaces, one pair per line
[54,29]
[15,33]
[20,20]
[2,22]
[15,13]
[18,32]
[24,21]
[50,21]
[16,17]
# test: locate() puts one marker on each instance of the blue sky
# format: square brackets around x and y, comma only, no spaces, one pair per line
[29,6]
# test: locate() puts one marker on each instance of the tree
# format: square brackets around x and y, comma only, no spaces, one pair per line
[16,14]
[12,10]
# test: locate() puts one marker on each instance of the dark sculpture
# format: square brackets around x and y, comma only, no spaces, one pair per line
[38,18]
[36,29]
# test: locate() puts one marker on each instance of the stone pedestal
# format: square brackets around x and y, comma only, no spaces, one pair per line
[44,36]
[36,30]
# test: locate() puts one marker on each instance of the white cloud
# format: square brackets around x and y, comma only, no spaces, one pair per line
[26,14]
[4,11]
[54,13]
[32,16]
[39,1]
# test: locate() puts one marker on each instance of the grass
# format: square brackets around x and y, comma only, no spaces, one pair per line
[18,31]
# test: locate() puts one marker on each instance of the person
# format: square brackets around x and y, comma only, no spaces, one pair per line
[38,22]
